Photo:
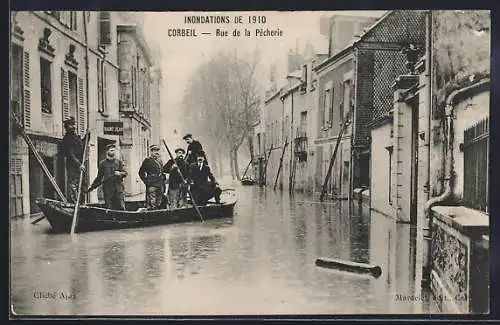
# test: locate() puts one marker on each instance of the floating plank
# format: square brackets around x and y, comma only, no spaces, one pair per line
[349,266]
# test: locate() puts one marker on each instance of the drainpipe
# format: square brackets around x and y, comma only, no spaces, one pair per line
[448,159]
[85,33]
[292,144]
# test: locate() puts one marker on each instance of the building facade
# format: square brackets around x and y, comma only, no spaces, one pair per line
[135,90]
[48,75]
[66,64]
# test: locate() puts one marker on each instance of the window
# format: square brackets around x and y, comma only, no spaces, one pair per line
[16,90]
[102,93]
[476,155]
[104,28]
[327,108]
[66,18]
[304,78]
[344,109]
[73,95]
[46,85]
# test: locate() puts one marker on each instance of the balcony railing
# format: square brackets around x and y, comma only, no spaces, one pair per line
[300,148]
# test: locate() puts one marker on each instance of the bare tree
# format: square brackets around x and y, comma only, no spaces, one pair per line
[222,101]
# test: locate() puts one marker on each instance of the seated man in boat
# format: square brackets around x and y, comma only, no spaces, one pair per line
[177,186]
[201,189]
[110,175]
[151,174]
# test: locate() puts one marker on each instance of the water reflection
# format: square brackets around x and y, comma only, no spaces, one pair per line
[265,255]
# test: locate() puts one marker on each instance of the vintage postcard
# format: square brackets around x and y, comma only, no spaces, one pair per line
[249,163]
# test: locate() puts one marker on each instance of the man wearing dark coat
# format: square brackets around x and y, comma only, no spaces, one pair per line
[193,149]
[199,175]
[110,175]
[73,147]
[151,173]
[177,186]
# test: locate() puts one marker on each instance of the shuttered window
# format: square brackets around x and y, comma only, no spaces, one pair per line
[26,90]
[82,111]
[16,90]
[65,94]
[327,100]
[46,85]
[104,89]
[73,95]
[16,187]
[105,28]
[99,87]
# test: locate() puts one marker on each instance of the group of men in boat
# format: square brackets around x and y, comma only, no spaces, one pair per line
[186,174]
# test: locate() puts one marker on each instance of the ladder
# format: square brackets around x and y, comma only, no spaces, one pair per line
[38,157]
[281,163]
[334,155]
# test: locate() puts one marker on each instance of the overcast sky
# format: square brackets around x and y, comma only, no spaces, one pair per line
[182,55]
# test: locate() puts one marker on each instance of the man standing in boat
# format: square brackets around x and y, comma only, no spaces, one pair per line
[73,147]
[110,175]
[177,188]
[193,149]
[199,175]
[151,173]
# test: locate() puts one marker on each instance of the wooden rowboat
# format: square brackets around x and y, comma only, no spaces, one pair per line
[93,217]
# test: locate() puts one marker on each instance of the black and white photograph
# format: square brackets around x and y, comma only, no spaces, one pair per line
[259,163]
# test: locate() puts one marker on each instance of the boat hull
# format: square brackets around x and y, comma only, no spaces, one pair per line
[95,217]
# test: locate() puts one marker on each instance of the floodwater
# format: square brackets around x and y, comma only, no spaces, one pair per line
[260,262]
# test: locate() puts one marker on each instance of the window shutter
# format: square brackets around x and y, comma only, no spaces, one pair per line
[104,88]
[99,87]
[332,96]
[82,112]
[65,94]
[105,28]
[26,90]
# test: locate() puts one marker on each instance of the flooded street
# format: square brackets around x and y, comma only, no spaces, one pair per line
[260,262]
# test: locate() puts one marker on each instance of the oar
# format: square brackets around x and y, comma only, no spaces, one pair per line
[77,205]
[349,266]
[182,179]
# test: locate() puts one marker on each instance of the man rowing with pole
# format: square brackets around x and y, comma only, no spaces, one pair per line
[110,176]
[177,187]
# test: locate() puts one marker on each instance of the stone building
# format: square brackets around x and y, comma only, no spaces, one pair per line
[64,63]
[49,84]
[434,140]
[136,64]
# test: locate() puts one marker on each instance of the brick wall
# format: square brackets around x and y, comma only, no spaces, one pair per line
[364,94]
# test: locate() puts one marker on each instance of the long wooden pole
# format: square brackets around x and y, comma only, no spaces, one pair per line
[77,204]
[332,159]
[267,161]
[246,169]
[182,178]
[281,164]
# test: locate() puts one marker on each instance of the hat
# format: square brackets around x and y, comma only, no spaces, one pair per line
[111,145]
[180,149]
[154,147]
[189,135]
[69,121]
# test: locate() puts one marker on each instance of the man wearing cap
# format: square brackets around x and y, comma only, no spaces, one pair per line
[193,149]
[199,175]
[177,186]
[73,146]
[110,175]
[151,173]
